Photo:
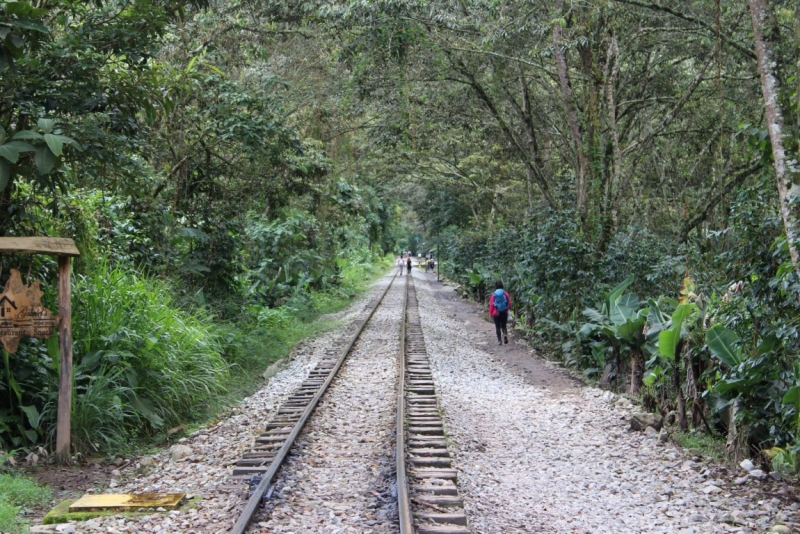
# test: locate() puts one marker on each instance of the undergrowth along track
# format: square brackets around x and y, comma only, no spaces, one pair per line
[428,500]
[259,467]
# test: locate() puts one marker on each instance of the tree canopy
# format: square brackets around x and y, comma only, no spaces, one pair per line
[244,148]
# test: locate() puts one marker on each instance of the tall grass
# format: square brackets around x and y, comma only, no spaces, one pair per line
[142,364]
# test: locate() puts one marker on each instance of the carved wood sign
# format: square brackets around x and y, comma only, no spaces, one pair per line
[22,313]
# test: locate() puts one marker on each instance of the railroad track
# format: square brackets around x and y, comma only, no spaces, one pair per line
[258,468]
[428,500]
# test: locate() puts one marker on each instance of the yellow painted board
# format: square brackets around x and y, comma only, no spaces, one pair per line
[126,501]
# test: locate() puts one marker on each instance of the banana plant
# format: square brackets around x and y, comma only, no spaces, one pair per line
[621,322]
[480,279]
[750,375]
[669,335]
[669,343]
[745,370]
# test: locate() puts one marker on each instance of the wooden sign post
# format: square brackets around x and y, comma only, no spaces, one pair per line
[22,314]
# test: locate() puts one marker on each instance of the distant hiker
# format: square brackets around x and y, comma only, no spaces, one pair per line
[499,304]
[400,265]
[408,264]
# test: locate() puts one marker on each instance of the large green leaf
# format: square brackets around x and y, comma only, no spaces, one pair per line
[20,146]
[629,300]
[46,125]
[27,134]
[28,24]
[33,415]
[657,319]
[475,278]
[69,141]
[9,153]
[792,396]
[768,344]
[667,342]
[146,408]
[680,314]
[668,339]
[617,292]
[620,313]
[655,316]
[44,160]
[587,330]
[55,143]
[595,315]
[14,7]
[629,331]
[23,9]
[726,386]
[722,344]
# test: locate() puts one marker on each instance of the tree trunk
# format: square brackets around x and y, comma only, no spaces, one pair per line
[572,115]
[615,176]
[676,383]
[637,371]
[770,87]
[693,390]
[797,58]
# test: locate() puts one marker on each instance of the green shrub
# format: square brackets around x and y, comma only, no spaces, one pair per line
[142,365]
[16,494]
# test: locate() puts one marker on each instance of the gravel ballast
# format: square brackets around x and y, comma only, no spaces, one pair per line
[340,474]
[533,461]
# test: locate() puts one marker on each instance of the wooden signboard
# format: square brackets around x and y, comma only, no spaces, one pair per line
[22,313]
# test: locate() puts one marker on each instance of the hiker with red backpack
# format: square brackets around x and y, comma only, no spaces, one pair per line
[499,304]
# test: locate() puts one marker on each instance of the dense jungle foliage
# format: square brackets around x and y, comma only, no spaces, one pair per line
[628,167]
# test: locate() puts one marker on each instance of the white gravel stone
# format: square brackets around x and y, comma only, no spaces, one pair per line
[747,465]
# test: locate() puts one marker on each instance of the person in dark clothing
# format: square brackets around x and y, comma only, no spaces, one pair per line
[499,304]
[408,264]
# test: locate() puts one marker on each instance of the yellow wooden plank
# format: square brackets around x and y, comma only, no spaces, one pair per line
[123,501]
[54,246]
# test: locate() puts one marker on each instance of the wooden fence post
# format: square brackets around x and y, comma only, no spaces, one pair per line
[63,426]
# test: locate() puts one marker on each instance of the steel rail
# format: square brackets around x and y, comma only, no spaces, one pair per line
[425,473]
[405,516]
[257,495]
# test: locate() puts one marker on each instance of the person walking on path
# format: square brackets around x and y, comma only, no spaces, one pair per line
[400,264]
[408,264]
[499,304]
